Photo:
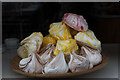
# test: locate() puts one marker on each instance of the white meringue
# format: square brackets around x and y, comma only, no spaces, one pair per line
[46,53]
[93,55]
[78,63]
[32,64]
[57,65]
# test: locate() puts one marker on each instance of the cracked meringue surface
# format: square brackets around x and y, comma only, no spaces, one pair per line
[57,65]
[78,63]
[93,55]
[32,64]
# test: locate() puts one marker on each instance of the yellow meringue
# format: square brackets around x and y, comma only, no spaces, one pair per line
[88,38]
[66,46]
[35,35]
[60,31]
[30,44]
[22,52]
[47,40]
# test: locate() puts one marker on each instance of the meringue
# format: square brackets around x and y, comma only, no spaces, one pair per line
[34,41]
[30,44]
[47,40]
[88,38]
[93,55]
[75,21]
[57,65]
[66,46]
[78,63]
[32,64]
[23,51]
[60,31]
[46,53]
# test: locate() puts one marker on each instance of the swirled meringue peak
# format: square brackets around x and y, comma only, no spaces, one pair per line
[46,53]
[57,65]
[32,64]
[93,55]
[78,63]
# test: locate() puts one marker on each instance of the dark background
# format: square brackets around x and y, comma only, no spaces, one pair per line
[19,19]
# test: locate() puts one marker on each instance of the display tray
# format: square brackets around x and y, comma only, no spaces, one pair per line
[15,67]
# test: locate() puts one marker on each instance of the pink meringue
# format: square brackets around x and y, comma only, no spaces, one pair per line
[75,21]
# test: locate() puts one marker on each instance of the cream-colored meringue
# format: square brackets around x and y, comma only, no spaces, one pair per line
[23,51]
[46,53]
[30,44]
[87,38]
[32,64]
[93,55]
[33,42]
[78,63]
[57,65]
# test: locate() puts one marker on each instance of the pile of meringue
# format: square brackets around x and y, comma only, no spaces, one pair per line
[70,47]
